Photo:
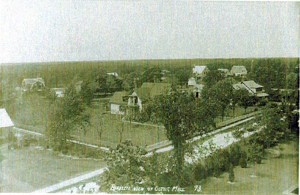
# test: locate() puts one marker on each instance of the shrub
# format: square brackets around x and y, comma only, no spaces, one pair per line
[200,172]
[188,177]
[235,154]
[231,174]
[243,160]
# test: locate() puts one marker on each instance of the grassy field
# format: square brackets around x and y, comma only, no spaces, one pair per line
[30,168]
[31,113]
[112,125]
[273,176]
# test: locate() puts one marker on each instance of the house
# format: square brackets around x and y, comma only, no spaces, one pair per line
[200,71]
[59,92]
[238,71]
[117,101]
[197,90]
[6,123]
[252,87]
[146,92]
[33,84]
[225,71]
[192,81]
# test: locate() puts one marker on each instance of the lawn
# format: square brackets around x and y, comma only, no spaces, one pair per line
[141,135]
[32,168]
[273,176]
[31,113]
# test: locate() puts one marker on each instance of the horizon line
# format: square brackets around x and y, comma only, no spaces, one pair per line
[155,59]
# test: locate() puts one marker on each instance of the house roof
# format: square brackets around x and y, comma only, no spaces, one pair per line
[199,69]
[112,74]
[118,97]
[238,86]
[225,70]
[192,81]
[33,80]
[238,69]
[262,95]
[5,120]
[150,90]
[251,84]
[58,89]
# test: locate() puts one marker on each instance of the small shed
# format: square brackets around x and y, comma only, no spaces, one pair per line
[6,123]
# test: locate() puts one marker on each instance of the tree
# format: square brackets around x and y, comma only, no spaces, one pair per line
[183,75]
[231,173]
[182,117]
[243,160]
[212,77]
[221,94]
[127,166]
[87,92]
[245,99]
[239,97]
[273,131]
[102,85]
[152,74]
[67,114]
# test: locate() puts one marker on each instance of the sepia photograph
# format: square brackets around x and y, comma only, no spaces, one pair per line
[149,97]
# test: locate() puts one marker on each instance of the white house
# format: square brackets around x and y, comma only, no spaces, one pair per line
[146,92]
[119,99]
[59,92]
[192,81]
[197,90]
[252,87]
[238,71]
[225,71]
[200,71]
[33,84]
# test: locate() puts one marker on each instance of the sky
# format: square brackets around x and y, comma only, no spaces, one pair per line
[64,30]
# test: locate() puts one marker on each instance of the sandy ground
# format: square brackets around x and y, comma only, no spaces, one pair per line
[32,168]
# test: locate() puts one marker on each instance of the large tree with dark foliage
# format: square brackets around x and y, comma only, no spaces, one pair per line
[221,94]
[212,77]
[66,114]
[183,116]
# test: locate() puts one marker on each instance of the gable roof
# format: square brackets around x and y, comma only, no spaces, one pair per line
[238,69]
[192,81]
[199,69]
[150,90]
[251,84]
[117,98]
[224,70]
[30,81]
[5,120]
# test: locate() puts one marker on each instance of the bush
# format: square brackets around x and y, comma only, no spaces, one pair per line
[200,172]
[231,174]
[243,160]
[235,154]
[188,177]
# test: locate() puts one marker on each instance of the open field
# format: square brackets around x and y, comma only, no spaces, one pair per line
[273,176]
[32,168]
[31,112]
